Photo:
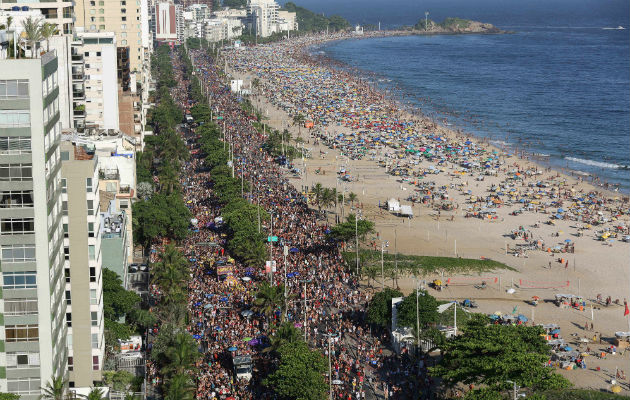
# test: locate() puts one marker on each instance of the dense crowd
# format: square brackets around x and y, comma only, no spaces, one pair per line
[325,300]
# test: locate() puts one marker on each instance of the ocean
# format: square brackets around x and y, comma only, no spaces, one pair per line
[559,86]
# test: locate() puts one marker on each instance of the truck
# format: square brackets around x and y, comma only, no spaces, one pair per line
[242,366]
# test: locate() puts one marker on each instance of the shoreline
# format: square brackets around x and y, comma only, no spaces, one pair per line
[451,233]
[527,156]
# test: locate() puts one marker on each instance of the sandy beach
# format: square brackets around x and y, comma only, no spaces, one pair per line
[590,266]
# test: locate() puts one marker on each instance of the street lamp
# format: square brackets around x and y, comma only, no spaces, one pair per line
[383,245]
[330,337]
[516,388]
[305,281]
[426,21]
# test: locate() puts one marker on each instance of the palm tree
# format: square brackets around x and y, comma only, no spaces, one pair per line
[131,396]
[48,30]
[352,197]
[33,33]
[180,387]
[286,333]
[370,273]
[169,179]
[268,299]
[317,190]
[55,389]
[298,120]
[95,394]
[169,272]
[181,355]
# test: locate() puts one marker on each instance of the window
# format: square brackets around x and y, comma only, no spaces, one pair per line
[17,226]
[66,272]
[18,253]
[123,18]
[124,34]
[90,229]
[23,386]
[100,19]
[64,207]
[92,19]
[16,199]
[66,252]
[92,252]
[123,10]
[90,207]
[93,298]
[88,184]
[92,27]
[20,280]
[65,230]
[13,89]
[123,42]
[94,318]
[93,3]
[15,145]
[68,297]
[64,185]
[69,319]
[102,27]
[16,172]
[101,11]
[15,118]
[22,360]
[124,204]
[123,26]
[20,307]
[70,364]
[95,364]
[95,340]
[22,333]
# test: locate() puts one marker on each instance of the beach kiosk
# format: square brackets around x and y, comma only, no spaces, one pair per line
[406,211]
[393,205]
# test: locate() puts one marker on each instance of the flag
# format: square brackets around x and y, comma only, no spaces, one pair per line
[626,311]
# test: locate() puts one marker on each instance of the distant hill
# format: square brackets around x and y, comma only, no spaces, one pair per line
[308,21]
[456,25]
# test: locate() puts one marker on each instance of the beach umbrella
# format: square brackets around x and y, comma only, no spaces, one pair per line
[196,336]
[555,331]
[522,318]
[247,339]
[254,342]
[567,240]
[297,325]
[232,348]
[247,313]
[246,278]
[294,250]
[207,306]
[568,348]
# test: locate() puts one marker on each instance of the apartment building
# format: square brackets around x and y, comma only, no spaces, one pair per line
[83,263]
[33,332]
[124,18]
[263,17]
[96,90]
[56,12]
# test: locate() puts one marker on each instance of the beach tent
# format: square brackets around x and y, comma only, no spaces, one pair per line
[393,205]
[406,211]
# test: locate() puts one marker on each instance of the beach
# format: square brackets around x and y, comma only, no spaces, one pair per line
[557,240]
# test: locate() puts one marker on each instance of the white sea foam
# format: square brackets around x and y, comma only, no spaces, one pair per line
[599,164]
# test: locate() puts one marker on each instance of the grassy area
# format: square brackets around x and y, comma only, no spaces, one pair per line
[423,264]
[580,394]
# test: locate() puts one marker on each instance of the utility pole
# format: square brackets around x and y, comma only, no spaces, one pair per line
[271,249]
[286,252]
[396,254]
[415,278]
[356,236]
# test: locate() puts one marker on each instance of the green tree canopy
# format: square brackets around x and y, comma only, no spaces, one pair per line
[300,373]
[491,354]
[347,230]
[380,308]
[427,310]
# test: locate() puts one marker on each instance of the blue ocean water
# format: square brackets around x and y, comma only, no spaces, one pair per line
[559,85]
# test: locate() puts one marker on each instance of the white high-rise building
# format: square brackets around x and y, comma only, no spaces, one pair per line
[32,304]
[263,17]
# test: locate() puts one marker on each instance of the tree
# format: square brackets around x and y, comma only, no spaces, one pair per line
[427,310]
[117,301]
[55,389]
[95,394]
[32,33]
[170,272]
[48,30]
[180,387]
[380,308]
[269,299]
[181,355]
[286,333]
[144,190]
[298,119]
[484,394]
[347,231]
[9,396]
[300,373]
[491,354]
[120,380]
[352,197]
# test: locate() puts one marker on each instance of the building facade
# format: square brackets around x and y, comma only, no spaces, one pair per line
[33,336]
[83,263]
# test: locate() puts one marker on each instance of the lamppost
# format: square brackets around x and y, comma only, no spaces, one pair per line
[305,281]
[383,245]
[330,337]
[356,236]
[426,21]
[516,388]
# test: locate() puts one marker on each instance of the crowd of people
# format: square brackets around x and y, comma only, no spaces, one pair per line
[325,300]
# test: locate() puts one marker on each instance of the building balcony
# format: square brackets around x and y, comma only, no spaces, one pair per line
[78,77]
[78,95]
[79,111]
[77,58]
